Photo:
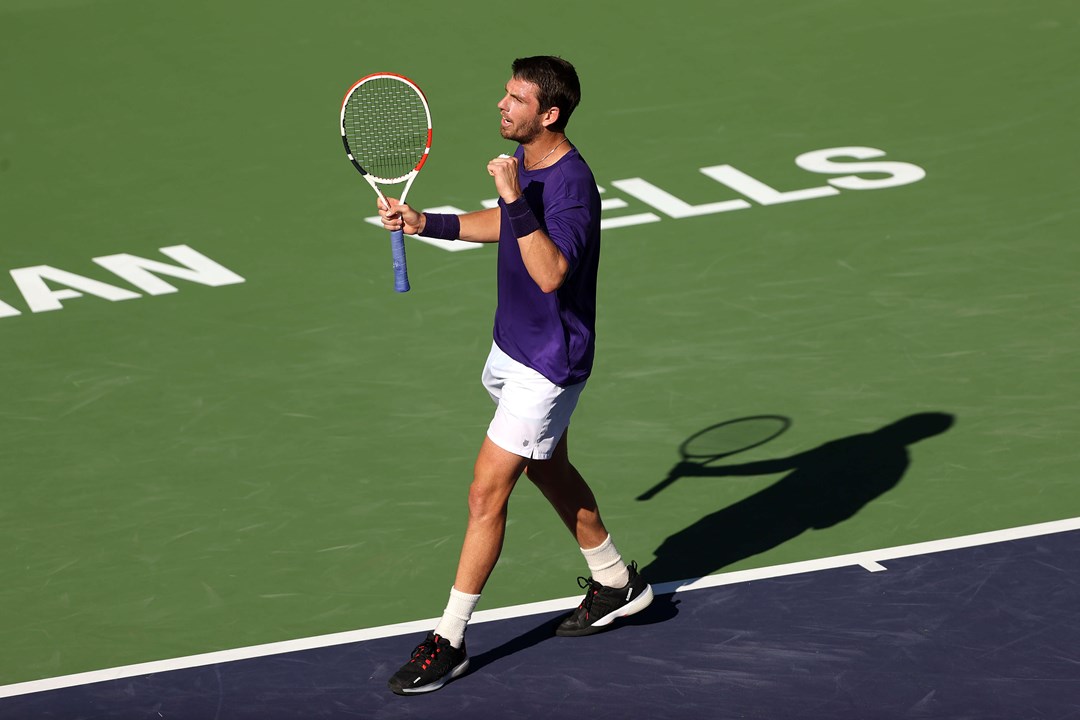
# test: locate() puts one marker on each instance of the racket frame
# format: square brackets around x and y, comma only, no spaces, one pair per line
[397,237]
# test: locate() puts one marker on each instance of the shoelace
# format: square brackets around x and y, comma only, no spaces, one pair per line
[594,588]
[425,652]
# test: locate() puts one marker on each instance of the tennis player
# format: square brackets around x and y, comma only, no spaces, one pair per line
[547,224]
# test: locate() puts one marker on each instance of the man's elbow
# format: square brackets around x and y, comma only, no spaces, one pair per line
[550,286]
[553,280]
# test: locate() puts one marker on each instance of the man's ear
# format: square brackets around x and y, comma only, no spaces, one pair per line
[549,116]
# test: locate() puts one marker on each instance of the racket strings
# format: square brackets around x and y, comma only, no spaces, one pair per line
[386,126]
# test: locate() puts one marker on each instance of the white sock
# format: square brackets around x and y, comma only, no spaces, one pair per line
[459,608]
[606,564]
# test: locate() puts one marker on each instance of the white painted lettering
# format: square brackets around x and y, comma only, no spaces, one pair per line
[40,298]
[899,173]
[7,311]
[669,204]
[758,191]
[817,161]
[607,204]
[197,268]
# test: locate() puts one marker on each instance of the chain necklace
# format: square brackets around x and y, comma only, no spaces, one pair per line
[541,160]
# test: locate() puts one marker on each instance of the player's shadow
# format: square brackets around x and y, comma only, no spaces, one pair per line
[823,486]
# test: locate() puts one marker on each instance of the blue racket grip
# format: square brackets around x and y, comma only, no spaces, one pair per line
[401,273]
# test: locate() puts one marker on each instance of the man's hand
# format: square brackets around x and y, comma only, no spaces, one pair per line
[400,216]
[505,171]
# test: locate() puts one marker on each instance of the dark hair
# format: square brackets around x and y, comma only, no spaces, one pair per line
[557,81]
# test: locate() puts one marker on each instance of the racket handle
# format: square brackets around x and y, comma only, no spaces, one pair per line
[666,482]
[397,249]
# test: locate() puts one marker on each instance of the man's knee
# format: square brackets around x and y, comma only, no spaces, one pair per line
[494,477]
[486,499]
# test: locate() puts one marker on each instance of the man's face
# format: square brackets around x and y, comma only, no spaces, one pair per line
[520,110]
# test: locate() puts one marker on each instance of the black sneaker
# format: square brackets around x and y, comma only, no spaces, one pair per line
[434,663]
[602,604]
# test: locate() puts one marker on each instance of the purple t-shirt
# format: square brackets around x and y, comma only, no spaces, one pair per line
[553,333]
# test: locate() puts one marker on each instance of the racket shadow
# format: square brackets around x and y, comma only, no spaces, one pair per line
[823,486]
[720,441]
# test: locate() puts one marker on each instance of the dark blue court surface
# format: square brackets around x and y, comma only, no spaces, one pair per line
[985,632]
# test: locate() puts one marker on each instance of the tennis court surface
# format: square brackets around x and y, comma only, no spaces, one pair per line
[984,629]
[223,430]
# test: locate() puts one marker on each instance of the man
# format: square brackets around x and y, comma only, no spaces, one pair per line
[547,224]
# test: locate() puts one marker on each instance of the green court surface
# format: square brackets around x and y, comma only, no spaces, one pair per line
[288,456]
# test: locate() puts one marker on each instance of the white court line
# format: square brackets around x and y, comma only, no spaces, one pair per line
[871,560]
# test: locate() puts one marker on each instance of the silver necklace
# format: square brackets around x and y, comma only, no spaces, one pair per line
[535,164]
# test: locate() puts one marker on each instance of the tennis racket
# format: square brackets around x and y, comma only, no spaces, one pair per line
[719,441]
[386,130]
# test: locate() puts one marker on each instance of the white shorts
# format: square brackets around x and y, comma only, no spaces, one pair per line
[532,413]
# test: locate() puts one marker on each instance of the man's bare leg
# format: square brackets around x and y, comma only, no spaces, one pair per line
[494,476]
[569,494]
